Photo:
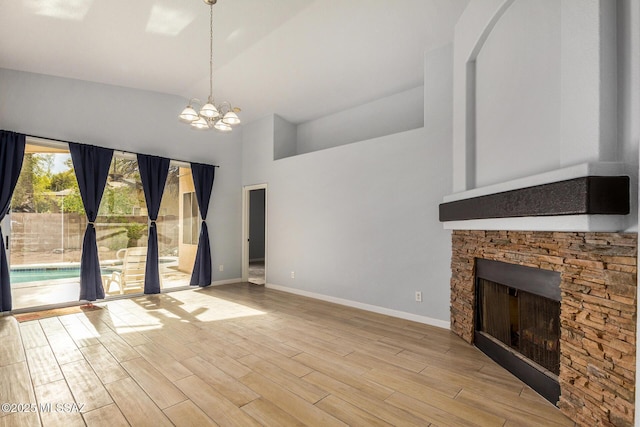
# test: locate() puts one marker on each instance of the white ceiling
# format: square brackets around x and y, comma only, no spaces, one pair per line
[301,59]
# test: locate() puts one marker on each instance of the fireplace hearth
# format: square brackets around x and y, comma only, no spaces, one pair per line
[518,322]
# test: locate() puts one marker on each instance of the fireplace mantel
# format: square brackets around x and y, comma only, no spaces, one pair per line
[587,197]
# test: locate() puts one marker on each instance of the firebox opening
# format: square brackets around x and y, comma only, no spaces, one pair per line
[518,322]
[522,321]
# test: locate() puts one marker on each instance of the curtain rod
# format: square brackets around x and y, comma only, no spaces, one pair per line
[114,149]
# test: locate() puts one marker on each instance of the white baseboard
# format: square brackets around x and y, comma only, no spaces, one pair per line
[368,307]
[225,282]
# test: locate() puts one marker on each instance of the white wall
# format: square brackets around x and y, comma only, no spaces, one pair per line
[386,116]
[392,114]
[136,121]
[359,222]
[285,138]
[587,77]
[518,94]
[628,37]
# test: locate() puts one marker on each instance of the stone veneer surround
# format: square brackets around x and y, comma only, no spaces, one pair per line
[597,314]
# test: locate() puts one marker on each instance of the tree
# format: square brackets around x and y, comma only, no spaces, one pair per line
[134,233]
[34,181]
[124,168]
[63,180]
[22,199]
[118,200]
[72,203]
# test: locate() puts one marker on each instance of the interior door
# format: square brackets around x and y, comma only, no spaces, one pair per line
[254,248]
[257,234]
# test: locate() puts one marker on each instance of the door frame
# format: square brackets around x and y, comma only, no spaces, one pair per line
[245,228]
[5,224]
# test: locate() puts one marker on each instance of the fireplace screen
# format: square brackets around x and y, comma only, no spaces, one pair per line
[527,323]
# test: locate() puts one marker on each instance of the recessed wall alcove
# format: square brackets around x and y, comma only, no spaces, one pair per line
[357,124]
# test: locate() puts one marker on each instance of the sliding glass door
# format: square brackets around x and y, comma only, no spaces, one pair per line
[46,225]
[47,221]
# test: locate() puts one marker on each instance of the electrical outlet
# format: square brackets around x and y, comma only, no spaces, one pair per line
[293,274]
[418,296]
[221,267]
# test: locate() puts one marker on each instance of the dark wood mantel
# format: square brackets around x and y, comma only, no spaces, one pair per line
[589,195]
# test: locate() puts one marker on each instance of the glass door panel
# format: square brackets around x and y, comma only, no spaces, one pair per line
[47,223]
[122,228]
[178,228]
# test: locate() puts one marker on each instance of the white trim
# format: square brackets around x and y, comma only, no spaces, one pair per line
[367,307]
[42,142]
[223,282]
[575,223]
[245,228]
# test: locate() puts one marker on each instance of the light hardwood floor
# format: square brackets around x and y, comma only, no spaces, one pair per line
[243,355]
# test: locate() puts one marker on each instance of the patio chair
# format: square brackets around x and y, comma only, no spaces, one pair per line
[131,277]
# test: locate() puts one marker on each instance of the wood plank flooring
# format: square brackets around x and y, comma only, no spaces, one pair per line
[243,355]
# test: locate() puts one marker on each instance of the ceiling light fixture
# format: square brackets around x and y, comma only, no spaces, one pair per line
[221,117]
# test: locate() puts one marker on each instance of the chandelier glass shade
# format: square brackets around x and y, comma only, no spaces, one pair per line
[220,117]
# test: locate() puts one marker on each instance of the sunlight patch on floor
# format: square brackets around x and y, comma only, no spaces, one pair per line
[215,308]
[137,328]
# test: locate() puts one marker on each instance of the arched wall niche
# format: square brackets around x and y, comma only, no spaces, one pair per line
[543,116]
[517,86]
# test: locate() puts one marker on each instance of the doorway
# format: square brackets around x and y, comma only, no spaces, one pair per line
[254,253]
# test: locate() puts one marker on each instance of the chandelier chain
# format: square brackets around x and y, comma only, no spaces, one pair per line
[211,53]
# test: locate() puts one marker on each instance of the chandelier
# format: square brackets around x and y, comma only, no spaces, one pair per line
[210,116]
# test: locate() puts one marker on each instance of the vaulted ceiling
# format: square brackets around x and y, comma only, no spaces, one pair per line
[301,59]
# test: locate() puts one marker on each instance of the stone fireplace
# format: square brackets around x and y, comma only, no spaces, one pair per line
[597,272]
[540,179]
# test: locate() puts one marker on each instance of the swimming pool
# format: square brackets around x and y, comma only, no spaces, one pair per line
[40,274]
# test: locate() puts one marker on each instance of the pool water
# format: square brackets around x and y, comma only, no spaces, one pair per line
[49,273]
[41,273]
